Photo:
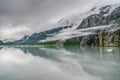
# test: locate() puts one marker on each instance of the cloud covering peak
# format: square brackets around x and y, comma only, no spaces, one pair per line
[24,17]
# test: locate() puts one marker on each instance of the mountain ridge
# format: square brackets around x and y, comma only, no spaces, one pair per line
[74,28]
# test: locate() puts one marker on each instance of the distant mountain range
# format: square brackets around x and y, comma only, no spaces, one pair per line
[99,27]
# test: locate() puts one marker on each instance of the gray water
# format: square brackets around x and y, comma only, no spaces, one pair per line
[52,63]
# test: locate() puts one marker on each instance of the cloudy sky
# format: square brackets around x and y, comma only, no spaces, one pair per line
[23,17]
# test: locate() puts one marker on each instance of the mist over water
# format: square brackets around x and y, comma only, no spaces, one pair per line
[51,63]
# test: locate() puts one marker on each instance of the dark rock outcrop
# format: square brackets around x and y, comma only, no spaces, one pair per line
[102,39]
[100,19]
[93,20]
[105,10]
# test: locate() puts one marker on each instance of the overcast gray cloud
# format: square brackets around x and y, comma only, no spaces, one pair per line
[21,17]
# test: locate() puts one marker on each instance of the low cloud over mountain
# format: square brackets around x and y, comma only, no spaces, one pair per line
[24,17]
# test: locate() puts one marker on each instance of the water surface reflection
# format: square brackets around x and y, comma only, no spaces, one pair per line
[51,63]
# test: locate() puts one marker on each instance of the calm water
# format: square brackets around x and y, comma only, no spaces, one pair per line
[51,63]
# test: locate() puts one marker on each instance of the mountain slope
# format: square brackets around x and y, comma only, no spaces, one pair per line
[99,26]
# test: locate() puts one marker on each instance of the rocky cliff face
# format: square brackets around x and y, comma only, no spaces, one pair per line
[101,19]
[103,39]
[107,37]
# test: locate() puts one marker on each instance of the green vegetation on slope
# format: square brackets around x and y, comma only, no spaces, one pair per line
[71,43]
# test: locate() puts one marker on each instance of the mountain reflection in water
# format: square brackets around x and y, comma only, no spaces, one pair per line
[52,63]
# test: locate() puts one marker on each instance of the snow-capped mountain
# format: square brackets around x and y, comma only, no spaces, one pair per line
[98,26]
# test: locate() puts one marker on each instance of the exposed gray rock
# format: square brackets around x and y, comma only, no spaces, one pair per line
[92,21]
[103,39]
[105,10]
[90,40]
[100,19]
[115,14]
